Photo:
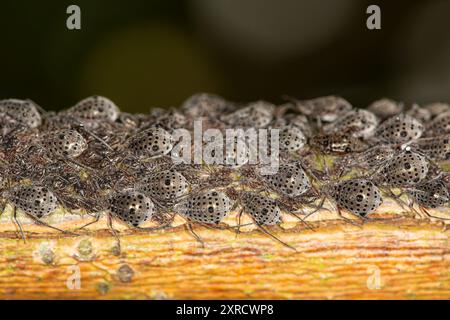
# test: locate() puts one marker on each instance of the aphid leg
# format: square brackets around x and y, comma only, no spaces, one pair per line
[426,212]
[42,223]
[190,229]
[398,200]
[317,208]
[96,219]
[114,233]
[306,224]
[351,221]
[238,217]
[17,223]
[266,232]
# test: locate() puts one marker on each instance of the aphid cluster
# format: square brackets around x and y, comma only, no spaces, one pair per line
[94,158]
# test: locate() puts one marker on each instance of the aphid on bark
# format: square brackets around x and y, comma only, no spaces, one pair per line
[419,113]
[205,105]
[430,195]
[255,115]
[399,129]
[339,144]
[436,148]
[131,207]
[65,143]
[359,196]
[265,212]
[405,169]
[291,139]
[439,125]
[19,113]
[385,108]
[290,180]
[437,108]
[94,109]
[168,185]
[368,160]
[209,207]
[323,109]
[359,124]
[35,201]
[151,143]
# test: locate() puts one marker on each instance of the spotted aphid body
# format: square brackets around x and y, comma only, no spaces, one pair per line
[360,124]
[290,180]
[264,211]
[419,113]
[399,129]
[405,169]
[439,125]
[371,158]
[164,186]
[255,115]
[433,194]
[205,105]
[24,112]
[209,207]
[436,148]
[385,108]
[131,207]
[291,138]
[152,142]
[326,109]
[65,143]
[34,200]
[339,144]
[297,120]
[437,108]
[95,108]
[359,196]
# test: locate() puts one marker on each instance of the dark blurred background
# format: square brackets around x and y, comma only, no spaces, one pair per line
[144,53]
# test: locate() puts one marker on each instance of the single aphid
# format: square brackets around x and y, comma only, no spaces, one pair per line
[439,125]
[369,159]
[131,207]
[359,124]
[95,108]
[405,169]
[290,180]
[35,201]
[65,143]
[152,142]
[205,105]
[255,115]
[359,196]
[168,185]
[436,148]
[291,139]
[399,129]
[432,194]
[209,207]
[24,112]
[437,108]
[385,108]
[264,211]
[326,109]
[419,113]
[339,144]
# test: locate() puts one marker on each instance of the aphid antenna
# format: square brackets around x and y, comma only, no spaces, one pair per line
[190,229]
[266,232]
[114,232]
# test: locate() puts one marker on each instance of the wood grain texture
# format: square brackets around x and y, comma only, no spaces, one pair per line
[337,261]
